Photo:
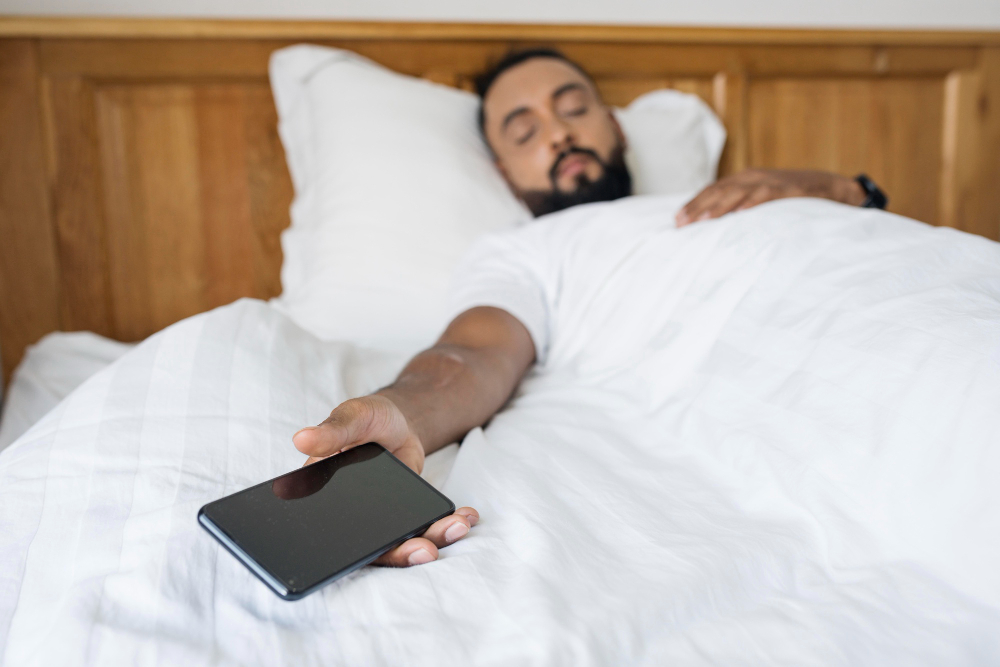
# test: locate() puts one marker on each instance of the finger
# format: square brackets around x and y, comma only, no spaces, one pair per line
[727,202]
[319,441]
[470,514]
[441,533]
[448,530]
[758,196]
[341,428]
[410,452]
[412,457]
[354,422]
[414,551]
[697,206]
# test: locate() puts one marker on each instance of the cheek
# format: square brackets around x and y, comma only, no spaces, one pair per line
[529,169]
[599,134]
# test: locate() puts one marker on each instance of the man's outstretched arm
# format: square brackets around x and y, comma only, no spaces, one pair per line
[442,394]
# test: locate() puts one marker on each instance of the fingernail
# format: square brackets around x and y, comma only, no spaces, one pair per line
[456,531]
[305,428]
[473,519]
[419,557]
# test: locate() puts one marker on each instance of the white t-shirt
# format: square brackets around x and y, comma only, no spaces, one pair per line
[565,271]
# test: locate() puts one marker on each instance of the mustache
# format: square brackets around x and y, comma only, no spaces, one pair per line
[614,183]
[572,150]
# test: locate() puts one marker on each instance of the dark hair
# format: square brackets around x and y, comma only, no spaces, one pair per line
[485,80]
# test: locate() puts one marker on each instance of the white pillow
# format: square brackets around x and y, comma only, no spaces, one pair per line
[674,142]
[393,183]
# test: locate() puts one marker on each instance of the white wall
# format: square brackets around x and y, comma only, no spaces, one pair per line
[961,14]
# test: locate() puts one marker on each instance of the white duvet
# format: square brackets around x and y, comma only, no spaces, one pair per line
[788,453]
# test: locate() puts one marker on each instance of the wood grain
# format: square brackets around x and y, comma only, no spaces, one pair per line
[730,101]
[142,179]
[270,187]
[621,91]
[887,128]
[77,206]
[29,271]
[182,164]
[220,58]
[970,196]
[130,28]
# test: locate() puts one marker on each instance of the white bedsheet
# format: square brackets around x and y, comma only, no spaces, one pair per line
[815,484]
[51,369]
[63,360]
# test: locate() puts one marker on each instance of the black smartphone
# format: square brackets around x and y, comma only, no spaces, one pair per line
[306,528]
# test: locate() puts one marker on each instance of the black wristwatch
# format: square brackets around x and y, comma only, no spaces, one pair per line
[876,198]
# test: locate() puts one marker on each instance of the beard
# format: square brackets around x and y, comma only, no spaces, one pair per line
[614,182]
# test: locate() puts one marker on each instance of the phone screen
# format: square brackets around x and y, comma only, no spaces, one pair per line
[315,524]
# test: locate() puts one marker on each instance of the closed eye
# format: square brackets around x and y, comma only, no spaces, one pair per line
[523,139]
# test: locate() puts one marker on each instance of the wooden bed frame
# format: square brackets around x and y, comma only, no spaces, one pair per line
[142,180]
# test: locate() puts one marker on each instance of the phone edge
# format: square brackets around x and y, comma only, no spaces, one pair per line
[256,568]
[273,582]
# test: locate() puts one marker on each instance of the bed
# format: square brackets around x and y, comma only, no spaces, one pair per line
[810,483]
[85,202]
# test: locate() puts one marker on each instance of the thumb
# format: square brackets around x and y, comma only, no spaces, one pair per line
[348,421]
[412,457]
[354,422]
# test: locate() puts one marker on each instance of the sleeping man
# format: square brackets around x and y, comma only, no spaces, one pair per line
[558,146]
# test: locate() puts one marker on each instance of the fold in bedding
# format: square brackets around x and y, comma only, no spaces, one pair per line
[51,369]
[792,462]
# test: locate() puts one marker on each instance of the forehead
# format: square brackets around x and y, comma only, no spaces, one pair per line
[529,84]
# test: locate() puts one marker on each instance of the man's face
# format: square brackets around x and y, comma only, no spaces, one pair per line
[554,140]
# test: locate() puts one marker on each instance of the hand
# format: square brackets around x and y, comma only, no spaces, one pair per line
[377,419]
[756,186]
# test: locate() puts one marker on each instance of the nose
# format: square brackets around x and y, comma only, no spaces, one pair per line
[560,135]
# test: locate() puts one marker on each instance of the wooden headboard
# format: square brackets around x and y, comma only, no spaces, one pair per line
[142,180]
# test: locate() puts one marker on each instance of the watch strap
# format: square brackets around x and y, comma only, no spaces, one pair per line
[875,197]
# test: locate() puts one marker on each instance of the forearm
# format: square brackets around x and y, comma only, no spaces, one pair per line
[448,390]
[460,383]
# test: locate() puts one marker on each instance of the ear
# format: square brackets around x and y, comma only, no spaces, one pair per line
[618,128]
